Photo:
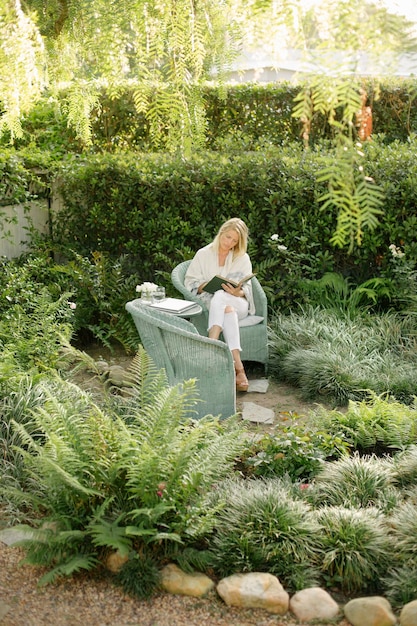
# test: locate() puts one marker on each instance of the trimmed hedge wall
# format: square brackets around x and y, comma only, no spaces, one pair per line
[160,209]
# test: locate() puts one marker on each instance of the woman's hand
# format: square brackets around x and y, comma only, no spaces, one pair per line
[234,291]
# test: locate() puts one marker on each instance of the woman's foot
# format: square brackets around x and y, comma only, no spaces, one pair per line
[242,383]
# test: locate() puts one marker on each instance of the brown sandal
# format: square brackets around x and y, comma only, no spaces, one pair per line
[242,383]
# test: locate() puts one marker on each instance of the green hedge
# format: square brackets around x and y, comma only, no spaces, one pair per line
[160,209]
[246,116]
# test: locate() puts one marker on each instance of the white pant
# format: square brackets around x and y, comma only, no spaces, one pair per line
[228,322]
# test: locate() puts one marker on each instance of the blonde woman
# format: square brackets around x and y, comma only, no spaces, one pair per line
[226,256]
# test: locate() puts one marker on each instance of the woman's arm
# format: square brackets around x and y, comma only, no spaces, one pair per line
[199,271]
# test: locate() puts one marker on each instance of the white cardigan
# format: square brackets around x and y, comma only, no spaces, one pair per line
[205,265]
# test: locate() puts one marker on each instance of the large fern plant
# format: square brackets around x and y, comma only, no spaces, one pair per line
[129,475]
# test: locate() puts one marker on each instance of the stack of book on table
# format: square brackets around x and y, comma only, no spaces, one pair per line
[173,305]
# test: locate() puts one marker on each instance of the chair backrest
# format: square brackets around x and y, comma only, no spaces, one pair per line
[178,279]
[174,344]
[259,297]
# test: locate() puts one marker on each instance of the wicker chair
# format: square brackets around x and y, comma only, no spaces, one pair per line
[254,338]
[174,344]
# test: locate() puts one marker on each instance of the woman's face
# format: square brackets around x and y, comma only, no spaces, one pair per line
[228,240]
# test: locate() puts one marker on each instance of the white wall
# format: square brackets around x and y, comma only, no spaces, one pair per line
[15,243]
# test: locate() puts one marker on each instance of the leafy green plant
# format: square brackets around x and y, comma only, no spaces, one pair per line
[355,547]
[296,451]
[261,526]
[127,475]
[401,277]
[35,334]
[139,576]
[336,293]
[102,286]
[378,424]
[98,287]
[284,269]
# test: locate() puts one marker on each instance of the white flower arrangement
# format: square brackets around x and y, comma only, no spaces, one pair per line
[146,289]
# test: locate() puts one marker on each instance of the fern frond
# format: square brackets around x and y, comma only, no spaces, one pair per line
[110,534]
[145,378]
[69,567]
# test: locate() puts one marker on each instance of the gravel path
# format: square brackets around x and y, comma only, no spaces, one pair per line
[87,601]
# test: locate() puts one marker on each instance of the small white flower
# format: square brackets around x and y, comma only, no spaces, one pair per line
[275,237]
[72,306]
[281,247]
[396,251]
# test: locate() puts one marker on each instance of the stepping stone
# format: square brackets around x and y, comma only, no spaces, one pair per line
[10,536]
[259,385]
[258,414]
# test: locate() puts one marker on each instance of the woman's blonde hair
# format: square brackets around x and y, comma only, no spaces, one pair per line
[239,226]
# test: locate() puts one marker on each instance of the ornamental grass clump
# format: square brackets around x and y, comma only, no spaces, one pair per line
[261,526]
[401,579]
[356,481]
[337,358]
[355,547]
[405,468]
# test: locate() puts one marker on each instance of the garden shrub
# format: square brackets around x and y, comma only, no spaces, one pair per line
[378,424]
[262,527]
[96,287]
[158,209]
[295,451]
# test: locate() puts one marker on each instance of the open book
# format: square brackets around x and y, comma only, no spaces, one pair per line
[216,283]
